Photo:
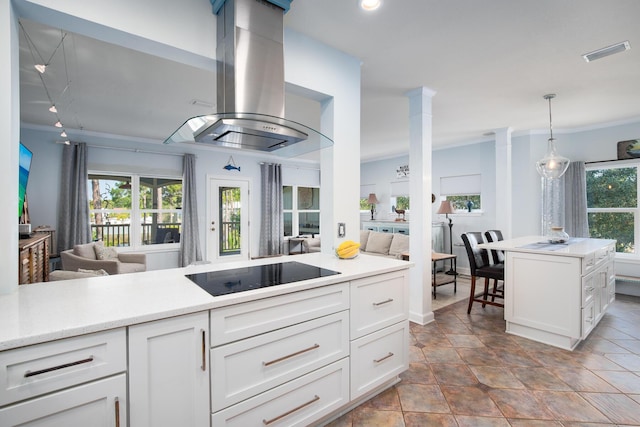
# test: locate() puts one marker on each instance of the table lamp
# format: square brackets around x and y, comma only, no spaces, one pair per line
[447,208]
[373,200]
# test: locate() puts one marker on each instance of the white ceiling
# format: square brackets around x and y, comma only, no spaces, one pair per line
[489,61]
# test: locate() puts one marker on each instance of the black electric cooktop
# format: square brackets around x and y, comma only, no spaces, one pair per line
[260,276]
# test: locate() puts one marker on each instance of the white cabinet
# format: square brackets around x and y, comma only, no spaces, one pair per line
[379,331]
[74,381]
[281,360]
[169,372]
[99,403]
[557,298]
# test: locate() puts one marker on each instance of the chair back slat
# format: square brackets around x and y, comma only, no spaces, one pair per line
[495,236]
[478,257]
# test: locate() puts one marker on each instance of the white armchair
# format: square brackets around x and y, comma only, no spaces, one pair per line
[86,257]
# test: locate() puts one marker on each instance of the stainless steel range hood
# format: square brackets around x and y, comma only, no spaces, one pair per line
[250,86]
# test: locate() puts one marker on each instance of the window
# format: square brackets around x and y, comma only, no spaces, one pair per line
[301,209]
[399,196]
[461,202]
[463,191]
[612,204]
[135,210]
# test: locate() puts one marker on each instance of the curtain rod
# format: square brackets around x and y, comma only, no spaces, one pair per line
[136,150]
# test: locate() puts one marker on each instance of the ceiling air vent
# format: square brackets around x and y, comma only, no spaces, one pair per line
[606,51]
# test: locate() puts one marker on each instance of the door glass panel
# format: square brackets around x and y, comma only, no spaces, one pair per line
[229,220]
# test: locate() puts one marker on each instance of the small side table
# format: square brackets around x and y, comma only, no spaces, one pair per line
[444,279]
[295,245]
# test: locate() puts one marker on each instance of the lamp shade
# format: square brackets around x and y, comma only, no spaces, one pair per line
[445,207]
[373,200]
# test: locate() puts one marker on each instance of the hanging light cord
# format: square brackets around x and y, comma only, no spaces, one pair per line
[549,98]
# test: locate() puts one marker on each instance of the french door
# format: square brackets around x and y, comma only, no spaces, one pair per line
[228,220]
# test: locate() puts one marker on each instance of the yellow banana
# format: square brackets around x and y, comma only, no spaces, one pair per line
[348,249]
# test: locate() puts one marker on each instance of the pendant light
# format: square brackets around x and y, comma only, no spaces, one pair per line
[552,165]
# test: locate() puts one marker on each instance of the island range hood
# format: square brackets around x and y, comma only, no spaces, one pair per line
[250,85]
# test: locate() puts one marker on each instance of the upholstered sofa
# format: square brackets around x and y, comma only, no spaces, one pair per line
[311,244]
[383,244]
[95,256]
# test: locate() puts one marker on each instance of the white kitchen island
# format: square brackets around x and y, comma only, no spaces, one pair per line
[556,293]
[154,349]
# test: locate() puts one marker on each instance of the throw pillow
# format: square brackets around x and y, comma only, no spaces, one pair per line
[104,252]
[85,251]
[379,243]
[100,272]
[364,236]
[399,245]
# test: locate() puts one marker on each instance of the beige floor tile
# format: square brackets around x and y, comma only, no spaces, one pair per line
[496,377]
[582,380]
[625,381]
[519,404]
[470,401]
[474,421]
[540,379]
[617,407]
[419,373]
[441,355]
[422,398]
[453,374]
[421,419]
[570,406]
[366,417]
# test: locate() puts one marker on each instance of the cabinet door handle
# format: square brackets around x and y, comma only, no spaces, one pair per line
[383,302]
[117,405]
[204,350]
[55,368]
[280,359]
[383,358]
[291,411]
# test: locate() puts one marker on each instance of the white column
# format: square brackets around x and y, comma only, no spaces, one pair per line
[420,144]
[504,182]
[9,143]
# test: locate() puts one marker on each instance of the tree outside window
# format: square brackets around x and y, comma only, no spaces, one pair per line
[116,201]
[612,205]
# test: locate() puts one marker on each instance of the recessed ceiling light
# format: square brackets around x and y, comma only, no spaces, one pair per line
[369,4]
[606,51]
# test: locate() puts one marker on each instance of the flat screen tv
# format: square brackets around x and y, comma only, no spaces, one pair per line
[25,166]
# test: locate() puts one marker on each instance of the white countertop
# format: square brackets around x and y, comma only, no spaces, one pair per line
[576,247]
[48,311]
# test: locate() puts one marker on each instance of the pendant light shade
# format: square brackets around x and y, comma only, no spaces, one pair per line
[552,165]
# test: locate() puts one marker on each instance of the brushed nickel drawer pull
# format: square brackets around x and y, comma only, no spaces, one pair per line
[280,359]
[383,358]
[383,302]
[55,368]
[117,412]
[297,408]
[204,350]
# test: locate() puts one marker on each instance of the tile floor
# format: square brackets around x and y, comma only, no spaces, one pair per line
[465,371]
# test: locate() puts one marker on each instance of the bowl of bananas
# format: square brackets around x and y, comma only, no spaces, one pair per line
[348,249]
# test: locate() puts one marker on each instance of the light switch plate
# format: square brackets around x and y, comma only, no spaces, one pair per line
[341,229]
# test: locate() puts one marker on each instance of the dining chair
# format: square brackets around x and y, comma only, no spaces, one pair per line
[481,268]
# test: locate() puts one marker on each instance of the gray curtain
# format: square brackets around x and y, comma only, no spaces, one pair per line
[190,251]
[575,200]
[73,217]
[272,224]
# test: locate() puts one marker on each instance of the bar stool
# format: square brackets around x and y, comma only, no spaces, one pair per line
[481,267]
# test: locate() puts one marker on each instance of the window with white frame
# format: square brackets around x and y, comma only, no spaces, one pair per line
[464,192]
[135,210]
[301,210]
[365,190]
[612,204]
[399,199]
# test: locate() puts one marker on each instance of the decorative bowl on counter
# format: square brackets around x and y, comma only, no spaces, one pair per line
[558,235]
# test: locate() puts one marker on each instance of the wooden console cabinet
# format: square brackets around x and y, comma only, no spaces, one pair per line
[33,259]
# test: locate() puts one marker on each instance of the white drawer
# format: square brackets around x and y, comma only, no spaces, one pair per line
[377,302]
[97,403]
[297,403]
[378,357]
[31,371]
[252,318]
[589,288]
[245,368]
[588,263]
[588,319]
